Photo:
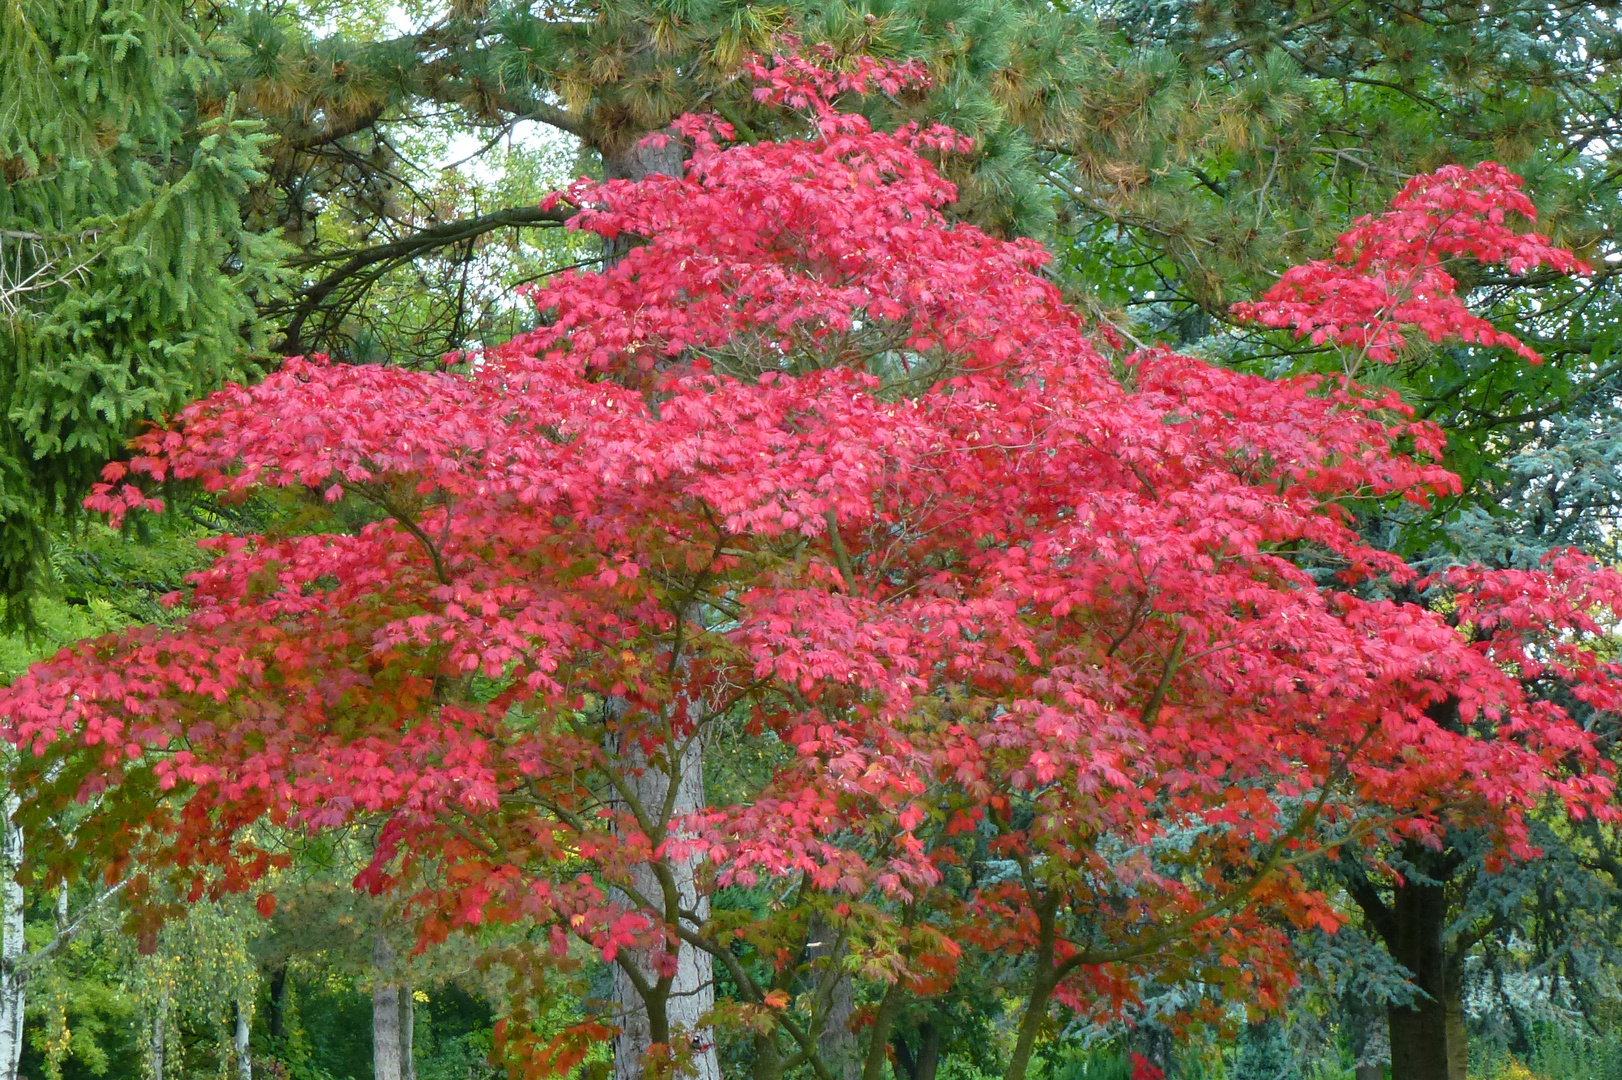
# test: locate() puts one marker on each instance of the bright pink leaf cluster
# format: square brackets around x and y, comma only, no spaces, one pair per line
[1386,278]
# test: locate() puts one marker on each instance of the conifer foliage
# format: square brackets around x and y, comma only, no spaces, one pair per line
[127,281]
[813,469]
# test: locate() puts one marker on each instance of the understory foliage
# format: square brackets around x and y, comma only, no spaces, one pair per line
[1023,643]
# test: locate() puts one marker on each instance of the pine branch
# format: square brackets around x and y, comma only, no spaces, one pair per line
[446,234]
[334,129]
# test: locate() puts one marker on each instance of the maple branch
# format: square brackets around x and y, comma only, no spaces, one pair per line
[841,556]
[644,989]
[633,802]
[1151,708]
[374,494]
[1272,861]
[741,976]
[745,982]
[1049,975]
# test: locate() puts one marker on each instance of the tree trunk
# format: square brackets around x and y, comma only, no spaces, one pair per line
[692,990]
[408,1033]
[276,1017]
[929,1050]
[385,1013]
[836,1042]
[1419,1033]
[12,945]
[1458,1038]
[636,161]
[159,1022]
[239,1043]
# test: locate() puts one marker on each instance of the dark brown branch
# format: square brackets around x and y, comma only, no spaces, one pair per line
[446,234]
[339,127]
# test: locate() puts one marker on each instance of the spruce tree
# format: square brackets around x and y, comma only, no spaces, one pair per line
[128,284]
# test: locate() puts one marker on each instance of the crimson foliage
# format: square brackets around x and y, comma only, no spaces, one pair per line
[814,469]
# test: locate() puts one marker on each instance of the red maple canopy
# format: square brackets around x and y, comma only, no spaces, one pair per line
[815,470]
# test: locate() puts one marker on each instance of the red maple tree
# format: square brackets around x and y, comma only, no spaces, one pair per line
[1036,647]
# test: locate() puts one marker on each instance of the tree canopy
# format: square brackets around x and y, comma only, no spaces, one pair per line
[813,466]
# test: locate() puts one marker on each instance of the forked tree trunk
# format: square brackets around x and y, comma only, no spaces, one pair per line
[692,991]
[12,945]
[926,1063]
[385,1013]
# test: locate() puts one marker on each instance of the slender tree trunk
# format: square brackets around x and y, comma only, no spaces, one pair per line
[12,945]
[408,1034]
[239,1043]
[276,1017]
[1044,980]
[883,1022]
[160,1019]
[385,1013]
[1030,1025]
[1419,1033]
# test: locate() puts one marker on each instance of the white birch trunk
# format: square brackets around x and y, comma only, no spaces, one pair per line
[385,1013]
[239,1043]
[692,993]
[159,1022]
[12,975]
